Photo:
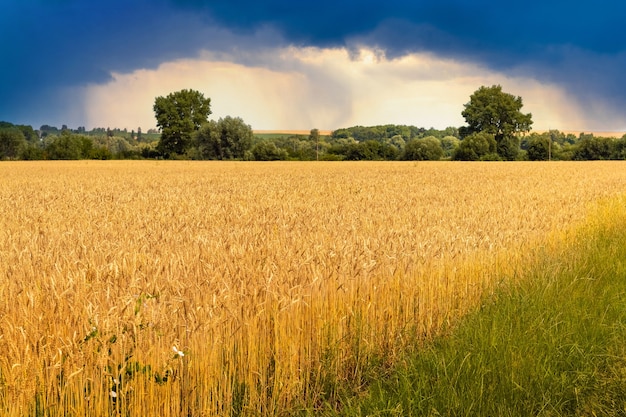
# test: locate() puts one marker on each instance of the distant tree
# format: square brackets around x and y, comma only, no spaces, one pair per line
[228,138]
[538,148]
[178,116]
[397,141]
[33,152]
[300,147]
[29,133]
[426,149]
[475,147]
[594,148]
[117,147]
[492,111]
[620,148]
[398,130]
[314,137]
[449,144]
[563,153]
[268,151]
[138,134]
[48,130]
[208,141]
[508,148]
[69,146]
[382,133]
[451,131]
[12,143]
[369,150]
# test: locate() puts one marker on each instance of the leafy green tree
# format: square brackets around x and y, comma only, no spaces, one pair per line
[33,152]
[369,150]
[385,132]
[492,111]
[451,131]
[563,153]
[208,142]
[300,147]
[268,151]
[372,150]
[69,146]
[594,148]
[538,148]
[314,137]
[228,138]
[620,148]
[48,130]
[29,134]
[12,143]
[397,141]
[508,148]
[475,147]
[449,144]
[426,149]
[178,116]
[119,147]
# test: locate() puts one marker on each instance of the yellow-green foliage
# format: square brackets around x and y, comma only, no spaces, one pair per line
[175,288]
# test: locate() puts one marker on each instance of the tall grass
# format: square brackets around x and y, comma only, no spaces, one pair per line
[554,344]
[152,288]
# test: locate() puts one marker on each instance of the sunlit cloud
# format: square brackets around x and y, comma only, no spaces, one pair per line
[326,88]
[310,63]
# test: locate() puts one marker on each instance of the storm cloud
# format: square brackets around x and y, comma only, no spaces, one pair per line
[54,51]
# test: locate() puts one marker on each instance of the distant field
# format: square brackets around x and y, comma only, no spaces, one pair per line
[234,288]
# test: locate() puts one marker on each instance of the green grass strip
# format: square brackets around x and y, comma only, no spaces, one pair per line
[552,345]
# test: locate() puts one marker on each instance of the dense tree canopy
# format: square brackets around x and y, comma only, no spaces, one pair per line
[268,151]
[12,142]
[232,138]
[476,147]
[228,138]
[538,148]
[492,111]
[179,115]
[426,149]
[595,148]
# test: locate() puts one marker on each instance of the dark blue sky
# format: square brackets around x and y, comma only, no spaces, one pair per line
[52,49]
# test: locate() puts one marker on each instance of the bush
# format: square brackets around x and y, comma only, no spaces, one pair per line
[268,151]
[538,148]
[12,143]
[594,148]
[427,149]
[475,147]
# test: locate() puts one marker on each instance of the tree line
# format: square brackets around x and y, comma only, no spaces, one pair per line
[496,129]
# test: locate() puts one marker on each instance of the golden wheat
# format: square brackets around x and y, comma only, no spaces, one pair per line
[171,288]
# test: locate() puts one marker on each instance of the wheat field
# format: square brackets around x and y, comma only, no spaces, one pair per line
[238,288]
